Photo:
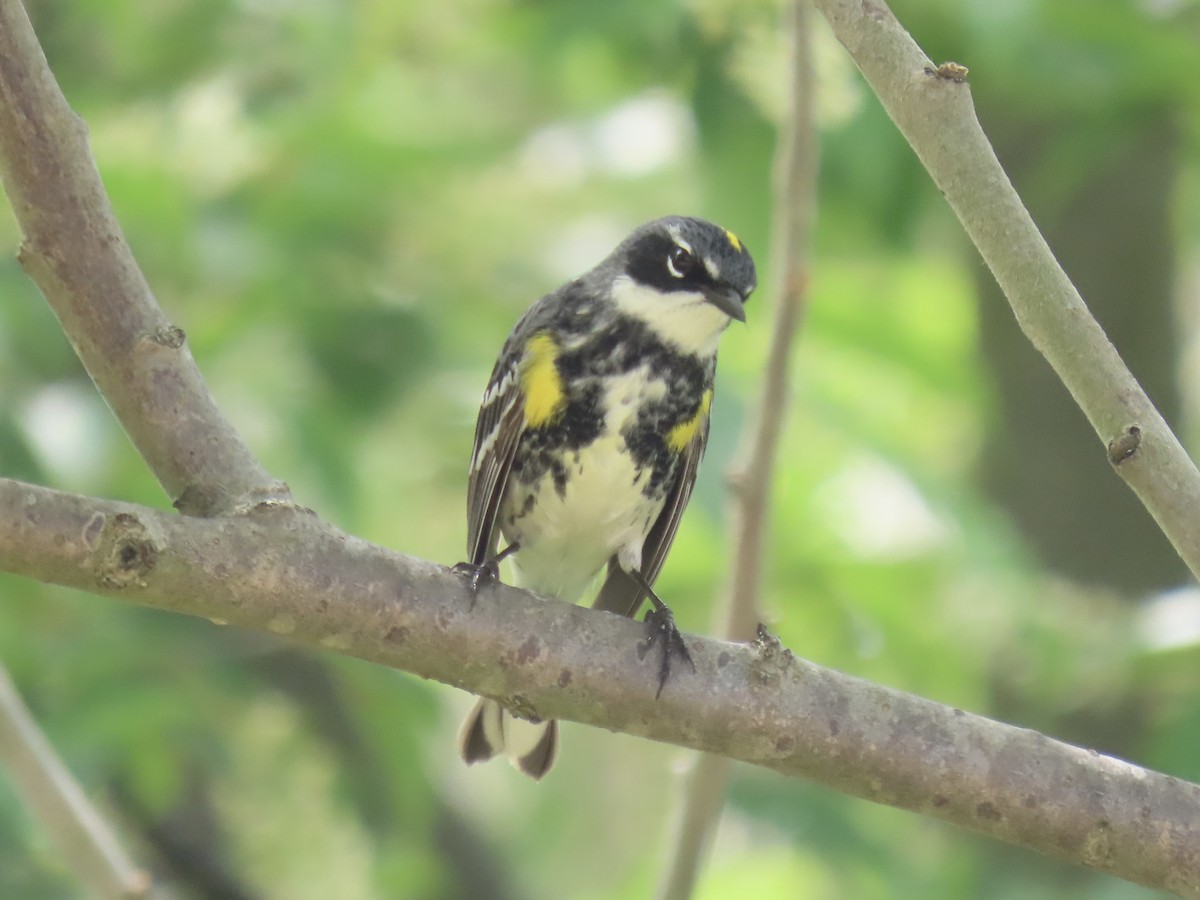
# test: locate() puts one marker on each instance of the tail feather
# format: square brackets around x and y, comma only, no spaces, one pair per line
[489,729]
[620,593]
[537,761]
[481,735]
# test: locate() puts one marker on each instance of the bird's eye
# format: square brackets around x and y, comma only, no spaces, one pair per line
[680,262]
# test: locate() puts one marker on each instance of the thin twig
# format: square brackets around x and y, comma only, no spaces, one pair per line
[85,843]
[281,570]
[276,569]
[75,252]
[750,476]
[931,105]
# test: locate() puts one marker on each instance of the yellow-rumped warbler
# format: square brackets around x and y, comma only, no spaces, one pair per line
[589,436]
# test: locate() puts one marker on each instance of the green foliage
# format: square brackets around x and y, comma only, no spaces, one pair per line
[346,206]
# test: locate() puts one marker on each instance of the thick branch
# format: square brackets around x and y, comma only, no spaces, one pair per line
[75,252]
[279,569]
[751,474]
[932,108]
[84,840]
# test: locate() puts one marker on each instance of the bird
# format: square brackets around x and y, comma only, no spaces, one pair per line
[589,436]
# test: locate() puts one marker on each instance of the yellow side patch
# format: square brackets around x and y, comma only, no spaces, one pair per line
[682,434]
[540,382]
[733,239]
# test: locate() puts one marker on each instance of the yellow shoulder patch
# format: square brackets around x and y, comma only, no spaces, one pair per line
[540,382]
[682,434]
[733,240]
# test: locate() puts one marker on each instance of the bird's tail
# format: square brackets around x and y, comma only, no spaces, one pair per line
[490,729]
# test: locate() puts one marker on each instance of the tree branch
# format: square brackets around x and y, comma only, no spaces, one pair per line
[276,568]
[279,569]
[750,475]
[75,252]
[83,839]
[932,108]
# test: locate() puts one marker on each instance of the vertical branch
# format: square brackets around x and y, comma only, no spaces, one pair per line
[750,475]
[56,800]
[932,108]
[75,252]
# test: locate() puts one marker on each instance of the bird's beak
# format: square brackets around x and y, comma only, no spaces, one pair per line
[727,300]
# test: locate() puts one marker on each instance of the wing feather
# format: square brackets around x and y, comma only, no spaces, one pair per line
[620,592]
[497,431]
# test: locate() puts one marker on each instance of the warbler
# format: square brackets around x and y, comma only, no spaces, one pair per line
[589,436]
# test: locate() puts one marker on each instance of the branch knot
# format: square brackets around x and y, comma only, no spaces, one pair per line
[127,553]
[1124,445]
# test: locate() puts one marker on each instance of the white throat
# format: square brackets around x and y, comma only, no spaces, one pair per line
[683,319]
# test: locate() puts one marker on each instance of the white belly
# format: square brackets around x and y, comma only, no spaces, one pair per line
[565,539]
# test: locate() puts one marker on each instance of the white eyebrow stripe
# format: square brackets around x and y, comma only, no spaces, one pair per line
[714,271]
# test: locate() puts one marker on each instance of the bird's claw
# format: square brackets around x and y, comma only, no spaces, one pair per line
[664,632]
[478,575]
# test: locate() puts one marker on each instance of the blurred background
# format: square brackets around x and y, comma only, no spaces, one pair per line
[347,205]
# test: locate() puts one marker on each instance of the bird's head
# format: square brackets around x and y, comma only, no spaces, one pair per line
[685,278]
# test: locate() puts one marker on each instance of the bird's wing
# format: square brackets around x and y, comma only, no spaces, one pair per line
[498,429]
[621,593]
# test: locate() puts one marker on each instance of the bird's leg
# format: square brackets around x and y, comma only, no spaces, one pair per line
[486,571]
[663,631]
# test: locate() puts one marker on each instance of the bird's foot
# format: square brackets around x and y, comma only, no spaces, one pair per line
[478,575]
[664,633]
[486,572]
